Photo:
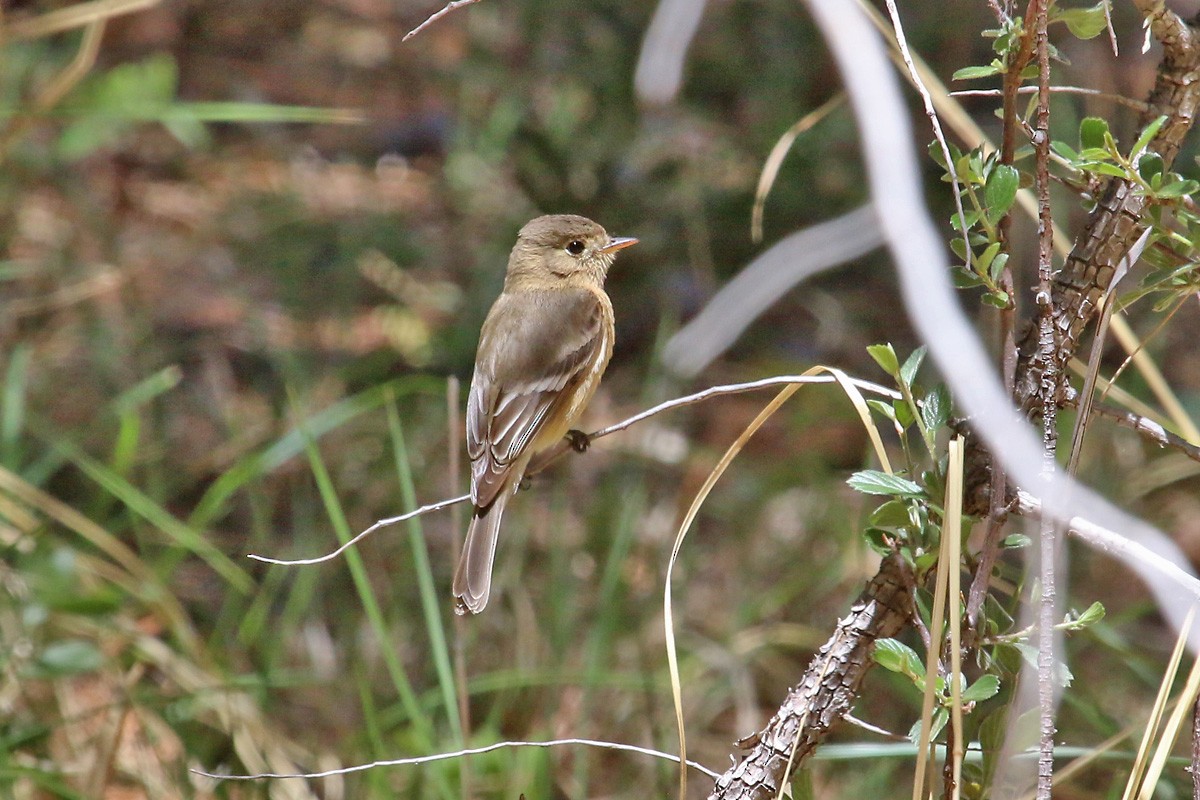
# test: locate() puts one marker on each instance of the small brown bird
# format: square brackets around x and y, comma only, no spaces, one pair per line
[542,350]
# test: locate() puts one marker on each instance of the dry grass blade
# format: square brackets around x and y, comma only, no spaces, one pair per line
[1109,389]
[936,624]
[952,543]
[668,616]
[1155,380]
[1170,733]
[75,16]
[851,389]
[1087,394]
[775,158]
[1141,761]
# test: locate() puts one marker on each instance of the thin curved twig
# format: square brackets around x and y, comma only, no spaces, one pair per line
[471,751]
[545,460]
[383,523]
[435,16]
[1119,99]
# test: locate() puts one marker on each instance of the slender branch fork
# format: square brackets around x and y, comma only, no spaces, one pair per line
[453,5]
[1047,341]
[1119,99]
[472,751]
[679,402]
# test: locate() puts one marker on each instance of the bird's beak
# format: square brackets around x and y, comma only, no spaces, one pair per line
[618,243]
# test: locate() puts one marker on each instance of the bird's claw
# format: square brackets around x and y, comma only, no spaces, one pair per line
[579,440]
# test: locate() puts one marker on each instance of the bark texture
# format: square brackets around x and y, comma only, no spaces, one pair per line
[827,690]
[1116,221]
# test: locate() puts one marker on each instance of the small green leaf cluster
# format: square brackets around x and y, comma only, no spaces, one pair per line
[1099,155]
[895,656]
[1005,41]
[909,519]
[1173,249]
[988,190]
[1084,23]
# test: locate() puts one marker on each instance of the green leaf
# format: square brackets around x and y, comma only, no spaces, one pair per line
[935,411]
[991,741]
[935,152]
[879,540]
[883,409]
[895,656]
[892,514]
[1178,188]
[984,259]
[959,248]
[940,717]
[1104,168]
[885,357]
[1094,613]
[1016,540]
[1150,165]
[1092,132]
[912,364]
[1085,23]
[872,481]
[1001,190]
[986,687]
[969,214]
[904,413]
[1143,141]
[996,269]
[964,278]
[70,657]
[997,299]
[1062,674]
[1064,150]
[972,73]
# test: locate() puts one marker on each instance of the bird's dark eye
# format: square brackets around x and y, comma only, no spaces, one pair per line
[575,247]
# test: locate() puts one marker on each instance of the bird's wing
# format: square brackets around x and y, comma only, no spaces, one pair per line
[533,351]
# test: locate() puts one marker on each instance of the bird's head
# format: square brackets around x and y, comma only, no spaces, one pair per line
[563,247]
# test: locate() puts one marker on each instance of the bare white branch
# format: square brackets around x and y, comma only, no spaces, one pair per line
[435,16]
[764,280]
[679,402]
[401,762]
[659,72]
[383,523]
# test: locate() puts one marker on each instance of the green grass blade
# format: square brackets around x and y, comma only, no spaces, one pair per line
[293,443]
[422,727]
[431,603]
[181,534]
[12,406]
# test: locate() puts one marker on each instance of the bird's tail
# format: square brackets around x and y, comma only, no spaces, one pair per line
[473,578]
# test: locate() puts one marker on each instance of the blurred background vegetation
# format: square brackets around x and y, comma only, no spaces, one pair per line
[223,331]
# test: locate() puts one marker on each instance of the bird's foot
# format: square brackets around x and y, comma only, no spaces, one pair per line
[579,440]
